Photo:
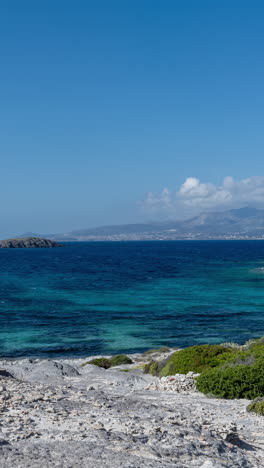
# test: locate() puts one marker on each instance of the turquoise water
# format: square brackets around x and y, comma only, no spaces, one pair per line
[110,297]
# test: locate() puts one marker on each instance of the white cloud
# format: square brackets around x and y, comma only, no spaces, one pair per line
[195,196]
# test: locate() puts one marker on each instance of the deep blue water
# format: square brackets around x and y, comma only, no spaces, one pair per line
[110,297]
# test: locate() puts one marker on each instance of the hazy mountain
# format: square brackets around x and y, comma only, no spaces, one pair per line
[242,221]
[235,223]
[29,234]
[125,229]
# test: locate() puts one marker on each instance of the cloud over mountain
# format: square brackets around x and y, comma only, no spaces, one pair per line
[193,196]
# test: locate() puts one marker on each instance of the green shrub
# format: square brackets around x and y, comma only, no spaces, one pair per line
[152,368]
[257,348]
[197,359]
[254,353]
[227,371]
[120,359]
[107,363]
[239,381]
[257,406]
[101,362]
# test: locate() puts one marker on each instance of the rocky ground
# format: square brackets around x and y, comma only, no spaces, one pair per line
[63,414]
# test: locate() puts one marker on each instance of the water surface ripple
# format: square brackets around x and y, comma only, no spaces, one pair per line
[109,297]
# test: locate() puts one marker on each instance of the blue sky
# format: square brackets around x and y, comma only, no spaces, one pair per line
[102,102]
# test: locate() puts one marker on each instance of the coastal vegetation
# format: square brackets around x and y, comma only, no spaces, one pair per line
[235,381]
[226,371]
[100,362]
[192,359]
[106,363]
[256,406]
[120,359]
[197,359]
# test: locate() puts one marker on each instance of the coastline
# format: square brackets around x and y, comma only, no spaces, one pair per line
[63,413]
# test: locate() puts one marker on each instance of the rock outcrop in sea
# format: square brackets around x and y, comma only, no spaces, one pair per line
[27,243]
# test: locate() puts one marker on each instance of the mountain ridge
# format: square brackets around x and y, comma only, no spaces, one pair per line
[237,223]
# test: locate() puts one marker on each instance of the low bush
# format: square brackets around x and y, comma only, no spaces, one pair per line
[240,381]
[101,362]
[120,359]
[241,377]
[257,406]
[257,348]
[152,368]
[253,354]
[107,363]
[226,371]
[197,359]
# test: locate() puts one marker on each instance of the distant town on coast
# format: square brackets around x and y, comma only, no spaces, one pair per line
[241,223]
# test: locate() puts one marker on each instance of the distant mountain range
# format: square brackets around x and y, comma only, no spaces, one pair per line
[242,223]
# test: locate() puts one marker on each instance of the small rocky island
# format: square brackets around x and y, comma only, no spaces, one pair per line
[27,243]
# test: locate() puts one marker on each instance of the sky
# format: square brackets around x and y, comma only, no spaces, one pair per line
[128,110]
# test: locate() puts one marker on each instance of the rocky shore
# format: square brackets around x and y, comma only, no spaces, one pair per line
[69,414]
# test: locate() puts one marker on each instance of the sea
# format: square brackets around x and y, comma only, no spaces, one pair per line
[89,298]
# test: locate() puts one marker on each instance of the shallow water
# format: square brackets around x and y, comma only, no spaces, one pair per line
[109,297]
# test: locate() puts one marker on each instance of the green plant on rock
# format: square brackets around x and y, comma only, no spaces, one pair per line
[101,362]
[120,359]
[106,363]
[239,381]
[197,359]
[226,371]
[254,353]
[257,406]
[257,348]
[152,368]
